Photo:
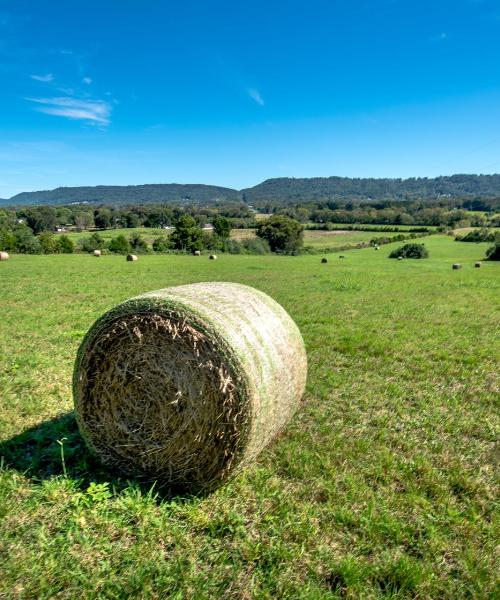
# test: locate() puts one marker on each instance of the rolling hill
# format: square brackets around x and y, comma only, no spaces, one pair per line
[284,189]
[127,194]
[289,189]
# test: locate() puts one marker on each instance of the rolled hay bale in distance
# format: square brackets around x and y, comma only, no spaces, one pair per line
[4,256]
[197,253]
[456,266]
[478,264]
[131,257]
[324,260]
[97,253]
[186,385]
[400,258]
[213,257]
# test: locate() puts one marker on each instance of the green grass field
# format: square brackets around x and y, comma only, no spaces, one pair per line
[383,486]
[323,239]
[148,233]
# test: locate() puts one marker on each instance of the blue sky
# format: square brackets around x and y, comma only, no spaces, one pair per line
[232,93]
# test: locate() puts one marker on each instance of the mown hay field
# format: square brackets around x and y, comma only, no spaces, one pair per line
[325,239]
[383,486]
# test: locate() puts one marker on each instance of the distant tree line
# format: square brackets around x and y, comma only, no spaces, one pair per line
[444,213]
[29,229]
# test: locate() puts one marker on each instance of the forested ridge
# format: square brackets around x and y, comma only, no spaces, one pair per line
[284,190]
[289,189]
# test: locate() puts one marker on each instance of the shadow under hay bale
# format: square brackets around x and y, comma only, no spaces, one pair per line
[36,454]
[4,256]
[456,266]
[131,257]
[186,385]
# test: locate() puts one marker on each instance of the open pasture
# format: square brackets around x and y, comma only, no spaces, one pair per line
[148,233]
[383,486]
[318,239]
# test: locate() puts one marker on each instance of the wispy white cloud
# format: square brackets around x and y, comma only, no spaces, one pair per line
[255,96]
[91,111]
[44,78]
[87,80]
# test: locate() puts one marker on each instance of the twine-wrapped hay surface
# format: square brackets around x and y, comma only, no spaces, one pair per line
[186,385]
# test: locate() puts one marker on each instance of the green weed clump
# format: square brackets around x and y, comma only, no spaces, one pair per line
[493,253]
[410,251]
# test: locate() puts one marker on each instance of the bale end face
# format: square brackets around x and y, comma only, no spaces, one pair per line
[478,264]
[456,266]
[4,256]
[131,257]
[324,260]
[187,385]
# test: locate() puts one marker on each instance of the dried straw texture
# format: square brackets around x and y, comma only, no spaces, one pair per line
[4,256]
[188,384]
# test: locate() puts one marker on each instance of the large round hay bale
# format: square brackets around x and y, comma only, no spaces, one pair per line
[324,260]
[197,253]
[131,257]
[478,264]
[213,257]
[186,385]
[97,253]
[456,266]
[4,256]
